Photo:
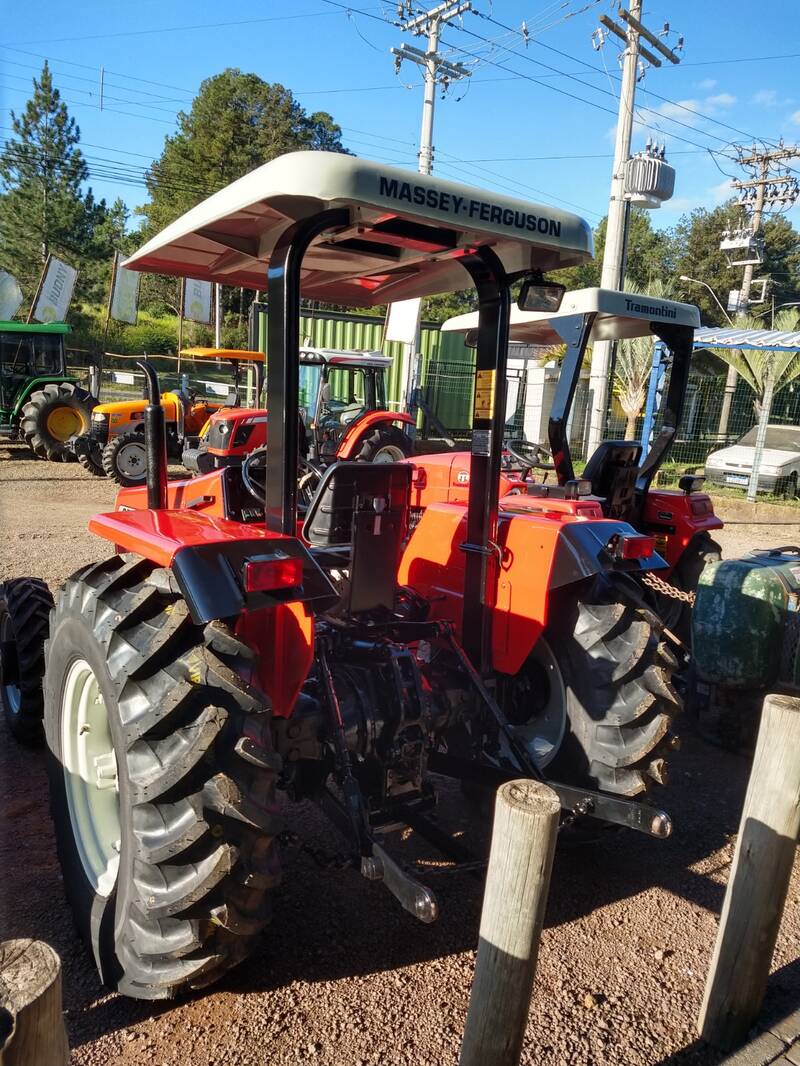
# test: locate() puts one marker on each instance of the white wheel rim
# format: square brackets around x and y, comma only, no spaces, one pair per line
[11,693]
[90,776]
[543,733]
[132,460]
[388,454]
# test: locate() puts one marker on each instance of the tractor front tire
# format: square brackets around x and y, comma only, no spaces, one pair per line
[614,671]
[386,444]
[90,456]
[52,416]
[162,781]
[25,605]
[124,459]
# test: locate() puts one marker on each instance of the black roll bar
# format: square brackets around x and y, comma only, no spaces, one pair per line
[155,440]
[283,376]
[488,420]
[679,341]
[574,330]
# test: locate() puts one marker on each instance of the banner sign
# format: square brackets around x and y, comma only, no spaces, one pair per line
[402,319]
[56,292]
[10,296]
[197,301]
[125,296]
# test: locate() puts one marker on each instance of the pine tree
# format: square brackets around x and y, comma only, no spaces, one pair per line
[42,171]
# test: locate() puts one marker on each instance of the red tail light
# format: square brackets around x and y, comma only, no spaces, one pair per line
[632,546]
[271,574]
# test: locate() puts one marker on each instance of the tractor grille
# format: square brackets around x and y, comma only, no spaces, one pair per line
[414,515]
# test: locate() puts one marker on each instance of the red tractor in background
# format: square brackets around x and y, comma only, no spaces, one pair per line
[343,415]
[617,474]
[238,642]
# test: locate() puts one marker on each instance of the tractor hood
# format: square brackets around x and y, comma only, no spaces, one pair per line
[620,316]
[406,234]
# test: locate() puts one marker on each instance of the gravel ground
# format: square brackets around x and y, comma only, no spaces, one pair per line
[348,979]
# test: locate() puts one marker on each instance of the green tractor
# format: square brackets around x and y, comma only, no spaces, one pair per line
[39,403]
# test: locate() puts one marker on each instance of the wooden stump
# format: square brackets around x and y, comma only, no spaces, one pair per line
[759,879]
[32,1031]
[521,859]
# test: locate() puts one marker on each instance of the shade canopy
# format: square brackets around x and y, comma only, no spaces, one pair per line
[405,234]
[223,353]
[620,316]
[760,340]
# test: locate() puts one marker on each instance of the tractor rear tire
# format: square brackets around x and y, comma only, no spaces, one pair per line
[386,444]
[168,843]
[25,605]
[124,459]
[52,416]
[619,702]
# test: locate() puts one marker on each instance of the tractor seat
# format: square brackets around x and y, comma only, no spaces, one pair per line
[613,470]
[358,520]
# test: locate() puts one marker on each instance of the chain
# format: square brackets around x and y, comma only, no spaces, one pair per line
[658,584]
[324,859]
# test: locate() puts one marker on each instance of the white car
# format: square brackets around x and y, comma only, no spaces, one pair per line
[779,470]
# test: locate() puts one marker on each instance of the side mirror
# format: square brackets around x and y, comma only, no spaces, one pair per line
[537,294]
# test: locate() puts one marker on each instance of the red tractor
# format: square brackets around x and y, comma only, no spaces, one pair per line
[619,475]
[343,415]
[229,649]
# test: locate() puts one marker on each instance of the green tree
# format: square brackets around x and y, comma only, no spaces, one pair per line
[756,367]
[42,207]
[697,255]
[650,254]
[236,123]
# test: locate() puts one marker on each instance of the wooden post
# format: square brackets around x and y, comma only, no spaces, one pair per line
[759,879]
[32,1031]
[523,842]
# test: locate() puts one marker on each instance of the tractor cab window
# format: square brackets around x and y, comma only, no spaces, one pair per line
[27,355]
[344,395]
[310,377]
[31,353]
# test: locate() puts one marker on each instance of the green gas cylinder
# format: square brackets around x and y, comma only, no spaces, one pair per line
[746,621]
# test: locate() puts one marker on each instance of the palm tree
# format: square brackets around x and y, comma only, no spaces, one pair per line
[634,362]
[757,367]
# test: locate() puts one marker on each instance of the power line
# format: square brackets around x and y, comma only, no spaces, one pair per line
[598,70]
[173,29]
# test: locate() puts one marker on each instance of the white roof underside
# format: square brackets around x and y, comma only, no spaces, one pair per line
[344,357]
[620,315]
[229,237]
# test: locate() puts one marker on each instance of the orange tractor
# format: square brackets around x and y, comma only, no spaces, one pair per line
[236,643]
[114,445]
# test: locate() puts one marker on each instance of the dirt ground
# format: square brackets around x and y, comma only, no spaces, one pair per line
[345,977]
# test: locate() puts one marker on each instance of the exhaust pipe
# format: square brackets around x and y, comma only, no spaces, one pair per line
[155,440]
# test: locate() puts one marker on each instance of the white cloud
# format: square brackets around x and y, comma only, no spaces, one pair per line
[722,192]
[765,97]
[720,100]
[796,117]
[707,83]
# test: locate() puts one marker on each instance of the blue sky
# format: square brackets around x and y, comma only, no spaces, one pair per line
[498,129]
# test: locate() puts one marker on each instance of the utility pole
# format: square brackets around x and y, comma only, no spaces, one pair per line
[436,70]
[763,189]
[612,276]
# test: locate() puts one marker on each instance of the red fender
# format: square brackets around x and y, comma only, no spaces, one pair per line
[360,425]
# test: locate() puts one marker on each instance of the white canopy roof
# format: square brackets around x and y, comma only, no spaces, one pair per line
[378,258]
[344,357]
[620,315]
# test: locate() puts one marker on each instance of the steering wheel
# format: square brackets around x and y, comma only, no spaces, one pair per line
[530,456]
[254,471]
